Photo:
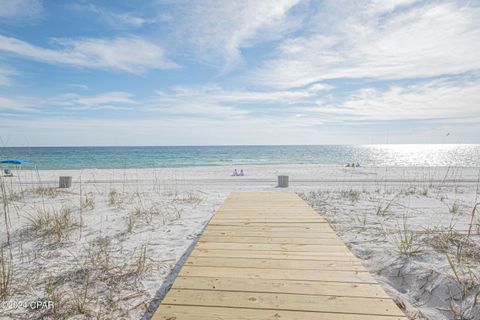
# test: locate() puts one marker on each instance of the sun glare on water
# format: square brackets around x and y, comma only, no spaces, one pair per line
[424,154]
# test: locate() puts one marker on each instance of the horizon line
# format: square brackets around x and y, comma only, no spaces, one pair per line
[232,145]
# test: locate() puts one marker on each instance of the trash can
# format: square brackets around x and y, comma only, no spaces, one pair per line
[283,181]
[65,182]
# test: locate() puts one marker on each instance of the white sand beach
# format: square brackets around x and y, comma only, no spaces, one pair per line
[110,246]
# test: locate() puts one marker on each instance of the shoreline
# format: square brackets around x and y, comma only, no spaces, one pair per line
[233,165]
[260,177]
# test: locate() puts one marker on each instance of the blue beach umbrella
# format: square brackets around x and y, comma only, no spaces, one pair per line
[15,162]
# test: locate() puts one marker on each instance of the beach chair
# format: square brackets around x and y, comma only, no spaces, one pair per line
[7,173]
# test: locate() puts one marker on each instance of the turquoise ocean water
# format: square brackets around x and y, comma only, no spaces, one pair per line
[161,157]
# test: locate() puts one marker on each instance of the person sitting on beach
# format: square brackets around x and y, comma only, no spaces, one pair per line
[348,165]
[235,173]
[242,173]
[353,165]
[358,165]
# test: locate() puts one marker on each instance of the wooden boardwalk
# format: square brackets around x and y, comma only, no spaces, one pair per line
[270,256]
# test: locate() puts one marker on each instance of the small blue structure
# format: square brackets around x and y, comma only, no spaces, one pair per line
[15,162]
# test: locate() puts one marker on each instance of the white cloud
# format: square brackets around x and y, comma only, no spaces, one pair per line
[208,101]
[218,116]
[217,94]
[15,105]
[215,101]
[439,100]
[416,41]
[6,73]
[114,100]
[130,54]
[68,102]
[218,30]
[18,9]
[80,86]
[435,100]
[124,20]
[382,6]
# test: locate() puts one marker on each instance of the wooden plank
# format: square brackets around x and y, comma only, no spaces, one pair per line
[274,219]
[278,274]
[267,223]
[272,247]
[289,213]
[251,213]
[263,218]
[265,208]
[272,254]
[284,301]
[247,212]
[176,312]
[351,265]
[319,227]
[282,286]
[292,240]
[271,212]
[268,234]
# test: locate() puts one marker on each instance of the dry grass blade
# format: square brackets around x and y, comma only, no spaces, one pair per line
[141,263]
[455,208]
[406,240]
[474,210]
[6,273]
[88,202]
[81,297]
[452,266]
[382,210]
[114,199]
[5,200]
[353,195]
[54,223]
[51,192]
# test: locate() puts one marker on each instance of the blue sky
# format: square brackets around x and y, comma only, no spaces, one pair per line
[239,72]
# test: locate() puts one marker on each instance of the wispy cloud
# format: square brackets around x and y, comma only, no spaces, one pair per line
[69,103]
[382,6]
[115,100]
[224,103]
[218,115]
[124,20]
[130,54]
[206,101]
[372,42]
[216,93]
[443,99]
[219,30]
[6,74]
[433,100]
[81,86]
[20,9]
[15,105]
